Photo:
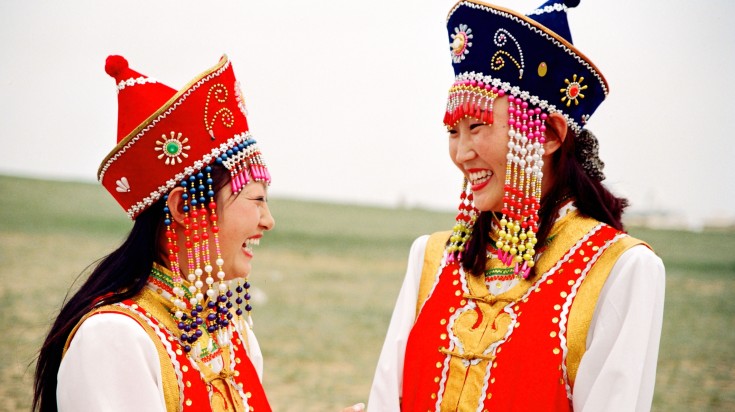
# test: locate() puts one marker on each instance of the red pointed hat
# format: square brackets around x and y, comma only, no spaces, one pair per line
[164,136]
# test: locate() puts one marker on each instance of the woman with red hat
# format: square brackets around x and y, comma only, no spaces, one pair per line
[163,322]
[536,300]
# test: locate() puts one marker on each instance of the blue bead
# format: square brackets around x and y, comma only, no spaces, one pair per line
[200,175]
[194,202]
[167,222]
[192,178]
[210,181]
[218,161]
[192,190]
[201,188]
[165,197]
[183,183]
[186,208]
[166,209]
[230,152]
[185,196]
[202,199]
[210,193]
[208,169]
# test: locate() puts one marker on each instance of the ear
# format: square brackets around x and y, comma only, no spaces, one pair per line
[176,204]
[556,132]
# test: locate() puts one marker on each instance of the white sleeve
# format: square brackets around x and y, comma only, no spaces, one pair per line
[618,369]
[388,381]
[111,365]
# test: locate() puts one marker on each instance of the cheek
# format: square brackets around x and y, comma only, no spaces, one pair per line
[453,142]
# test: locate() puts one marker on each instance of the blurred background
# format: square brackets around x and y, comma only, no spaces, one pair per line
[346,100]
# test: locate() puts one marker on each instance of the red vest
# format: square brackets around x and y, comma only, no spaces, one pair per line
[190,386]
[472,351]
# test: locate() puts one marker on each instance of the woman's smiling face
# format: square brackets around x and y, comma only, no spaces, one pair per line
[243,217]
[479,150]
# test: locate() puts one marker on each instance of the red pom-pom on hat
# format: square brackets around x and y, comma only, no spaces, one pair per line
[138,95]
[115,64]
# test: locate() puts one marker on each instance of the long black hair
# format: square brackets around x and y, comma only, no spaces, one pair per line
[120,275]
[590,196]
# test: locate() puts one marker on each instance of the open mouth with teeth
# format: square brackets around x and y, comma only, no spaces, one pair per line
[249,243]
[479,178]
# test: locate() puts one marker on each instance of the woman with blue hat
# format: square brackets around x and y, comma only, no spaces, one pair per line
[537,299]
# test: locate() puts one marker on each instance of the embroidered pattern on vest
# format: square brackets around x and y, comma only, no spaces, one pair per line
[476,337]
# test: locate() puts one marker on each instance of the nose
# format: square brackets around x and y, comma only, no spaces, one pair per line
[267,222]
[465,148]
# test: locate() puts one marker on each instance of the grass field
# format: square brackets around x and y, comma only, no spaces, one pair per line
[329,276]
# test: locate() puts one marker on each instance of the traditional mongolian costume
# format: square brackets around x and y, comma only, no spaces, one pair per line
[573,324]
[185,342]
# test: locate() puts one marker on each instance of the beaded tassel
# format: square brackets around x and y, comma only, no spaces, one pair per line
[471,98]
[465,221]
[523,173]
[246,300]
[245,165]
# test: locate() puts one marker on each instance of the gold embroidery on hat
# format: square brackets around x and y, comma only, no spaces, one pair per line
[497,62]
[573,91]
[218,92]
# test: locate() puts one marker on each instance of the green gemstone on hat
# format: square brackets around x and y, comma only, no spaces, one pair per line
[173,148]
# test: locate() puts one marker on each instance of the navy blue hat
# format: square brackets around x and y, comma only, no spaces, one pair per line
[496,51]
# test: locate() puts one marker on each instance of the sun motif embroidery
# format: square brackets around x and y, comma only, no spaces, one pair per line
[240,99]
[461,42]
[173,148]
[573,91]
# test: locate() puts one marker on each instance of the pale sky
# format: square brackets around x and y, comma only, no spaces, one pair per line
[346,98]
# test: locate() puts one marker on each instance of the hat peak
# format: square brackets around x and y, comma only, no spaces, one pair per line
[115,64]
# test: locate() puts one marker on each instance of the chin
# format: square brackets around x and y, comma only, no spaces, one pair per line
[241,270]
[484,204]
